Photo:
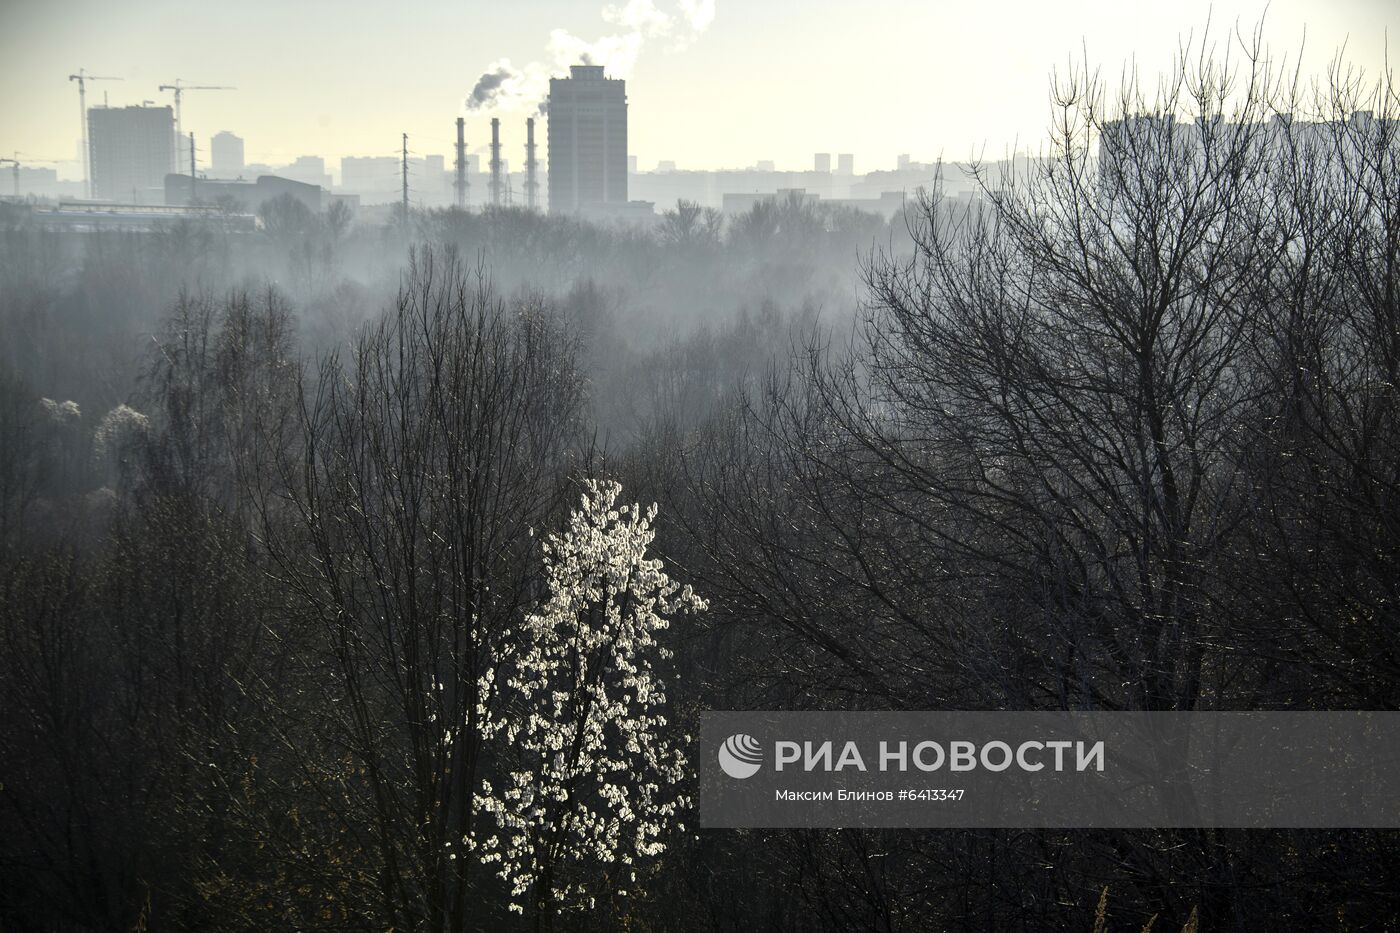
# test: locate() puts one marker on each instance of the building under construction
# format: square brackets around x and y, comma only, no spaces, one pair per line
[587,141]
[132,149]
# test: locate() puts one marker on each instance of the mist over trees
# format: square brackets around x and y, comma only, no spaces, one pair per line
[330,597]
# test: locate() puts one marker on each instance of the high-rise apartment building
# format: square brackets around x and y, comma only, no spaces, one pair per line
[133,149]
[309,170]
[226,154]
[587,140]
[371,177]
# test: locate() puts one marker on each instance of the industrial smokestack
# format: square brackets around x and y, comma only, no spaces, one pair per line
[460,185]
[532,186]
[496,186]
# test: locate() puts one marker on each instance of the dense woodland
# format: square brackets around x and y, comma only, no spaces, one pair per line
[321,608]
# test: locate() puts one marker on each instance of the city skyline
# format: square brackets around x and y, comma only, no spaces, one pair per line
[338,81]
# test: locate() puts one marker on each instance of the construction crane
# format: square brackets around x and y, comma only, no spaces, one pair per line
[82,77]
[16,164]
[179,87]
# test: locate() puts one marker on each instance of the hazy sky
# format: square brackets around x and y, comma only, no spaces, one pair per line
[711,84]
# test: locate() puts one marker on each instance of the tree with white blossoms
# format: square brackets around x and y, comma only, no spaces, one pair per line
[118,437]
[595,776]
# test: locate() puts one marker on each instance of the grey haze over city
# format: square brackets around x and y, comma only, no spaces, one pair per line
[475,467]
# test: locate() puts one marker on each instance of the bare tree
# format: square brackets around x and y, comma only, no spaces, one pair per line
[402,527]
[1093,440]
[692,226]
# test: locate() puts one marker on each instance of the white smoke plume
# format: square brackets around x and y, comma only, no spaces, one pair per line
[504,86]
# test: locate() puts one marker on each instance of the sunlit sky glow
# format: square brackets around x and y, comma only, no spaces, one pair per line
[757,80]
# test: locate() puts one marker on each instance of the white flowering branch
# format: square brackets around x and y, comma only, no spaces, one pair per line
[595,777]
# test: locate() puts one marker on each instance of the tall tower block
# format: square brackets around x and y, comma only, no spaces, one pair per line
[587,140]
